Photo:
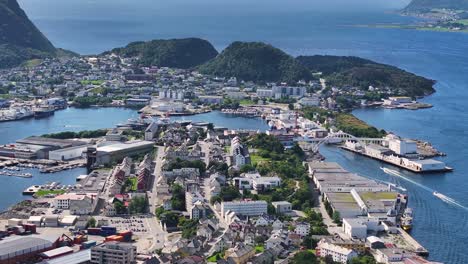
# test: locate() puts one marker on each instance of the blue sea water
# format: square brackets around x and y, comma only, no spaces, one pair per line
[312,27]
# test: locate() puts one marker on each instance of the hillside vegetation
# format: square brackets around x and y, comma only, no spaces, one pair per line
[256,61]
[428,5]
[174,53]
[20,40]
[354,71]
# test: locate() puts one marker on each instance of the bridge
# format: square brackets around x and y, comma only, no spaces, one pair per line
[314,144]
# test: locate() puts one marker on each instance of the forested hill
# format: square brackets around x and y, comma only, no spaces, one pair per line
[16,28]
[256,61]
[20,40]
[176,53]
[428,5]
[354,71]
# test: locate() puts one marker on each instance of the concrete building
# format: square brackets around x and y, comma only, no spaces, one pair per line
[109,153]
[302,229]
[282,207]
[151,131]
[402,146]
[24,249]
[70,153]
[338,253]
[246,208]
[114,253]
[355,228]
[209,99]
[254,181]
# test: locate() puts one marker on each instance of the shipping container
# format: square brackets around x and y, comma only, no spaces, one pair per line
[108,232]
[94,231]
[127,235]
[30,227]
[109,228]
[114,238]
[88,244]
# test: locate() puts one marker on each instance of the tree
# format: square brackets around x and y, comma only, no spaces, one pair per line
[329,259]
[138,205]
[290,106]
[336,217]
[178,198]
[91,222]
[304,257]
[366,259]
[120,208]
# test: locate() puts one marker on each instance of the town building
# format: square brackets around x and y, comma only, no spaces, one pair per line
[282,207]
[77,203]
[113,253]
[338,253]
[246,208]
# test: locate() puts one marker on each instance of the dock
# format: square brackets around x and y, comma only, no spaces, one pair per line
[418,248]
[62,167]
[400,165]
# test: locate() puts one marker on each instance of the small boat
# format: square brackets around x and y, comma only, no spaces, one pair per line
[407,219]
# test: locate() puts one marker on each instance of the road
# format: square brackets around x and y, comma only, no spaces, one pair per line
[331,226]
[152,195]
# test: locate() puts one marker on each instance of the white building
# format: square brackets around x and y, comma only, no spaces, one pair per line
[302,229]
[80,204]
[282,207]
[114,252]
[256,182]
[338,253]
[191,198]
[402,146]
[68,153]
[355,228]
[247,208]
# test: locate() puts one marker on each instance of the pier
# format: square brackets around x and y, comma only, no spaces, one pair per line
[400,164]
[418,248]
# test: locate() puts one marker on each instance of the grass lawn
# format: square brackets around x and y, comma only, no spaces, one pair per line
[32,63]
[134,185]
[246,102]
[41,193]
[215,257]
[463,21]
[259,249]
[256,159]
[95,82]
[227,149]
[378,195]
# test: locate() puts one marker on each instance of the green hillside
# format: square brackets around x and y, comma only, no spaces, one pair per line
[354,71]
[428,5]
[20,40]
[176,53]
[256,61]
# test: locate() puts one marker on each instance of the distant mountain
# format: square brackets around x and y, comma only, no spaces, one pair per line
[354,71]
[20,40]
[256,61]
[428,5]
[176,53]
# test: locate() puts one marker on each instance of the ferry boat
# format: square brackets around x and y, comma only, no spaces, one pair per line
[42,112]
[407,219]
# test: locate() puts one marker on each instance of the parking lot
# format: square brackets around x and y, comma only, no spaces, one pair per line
[136,224]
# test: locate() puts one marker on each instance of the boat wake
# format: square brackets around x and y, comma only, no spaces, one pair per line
[441,196]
